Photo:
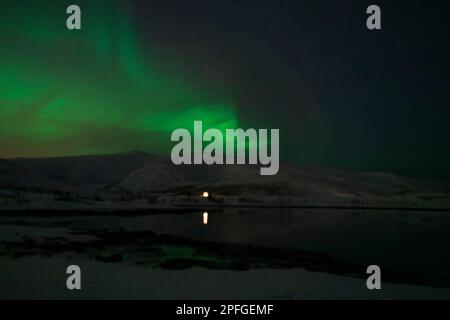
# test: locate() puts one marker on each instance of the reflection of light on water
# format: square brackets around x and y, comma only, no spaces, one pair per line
[205,217]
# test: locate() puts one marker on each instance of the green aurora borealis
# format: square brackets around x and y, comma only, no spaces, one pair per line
[97,90]
[341,96]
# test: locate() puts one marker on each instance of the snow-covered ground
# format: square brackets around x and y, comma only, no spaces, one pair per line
[40,278]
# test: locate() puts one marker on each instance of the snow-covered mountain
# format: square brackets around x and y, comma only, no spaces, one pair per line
[75,174]
[140,173]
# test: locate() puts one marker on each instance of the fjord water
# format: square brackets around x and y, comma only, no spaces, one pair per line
[415,242]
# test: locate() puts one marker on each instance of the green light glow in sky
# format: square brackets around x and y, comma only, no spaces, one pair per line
[97,90]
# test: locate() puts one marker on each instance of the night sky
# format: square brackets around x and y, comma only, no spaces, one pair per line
[341,95]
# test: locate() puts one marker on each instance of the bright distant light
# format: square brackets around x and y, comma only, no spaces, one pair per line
[205,194]
[205,217]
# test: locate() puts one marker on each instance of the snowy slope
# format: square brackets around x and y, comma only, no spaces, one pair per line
[140,173]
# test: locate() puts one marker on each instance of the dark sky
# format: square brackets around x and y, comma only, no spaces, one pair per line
[341,95]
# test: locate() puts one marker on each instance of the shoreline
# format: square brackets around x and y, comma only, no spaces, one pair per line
[180,209]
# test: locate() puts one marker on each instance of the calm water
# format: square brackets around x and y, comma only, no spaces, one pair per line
[416,241]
